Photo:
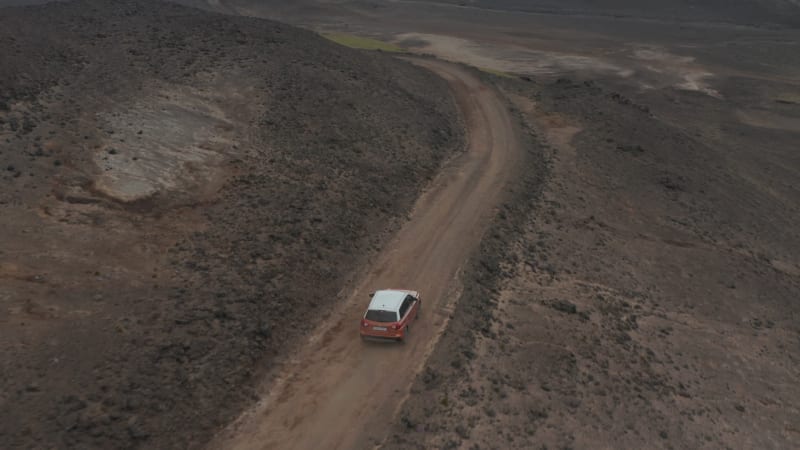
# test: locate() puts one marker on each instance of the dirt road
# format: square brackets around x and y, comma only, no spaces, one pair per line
[342,393]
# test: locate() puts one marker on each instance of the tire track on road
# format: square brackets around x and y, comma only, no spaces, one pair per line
[340,392]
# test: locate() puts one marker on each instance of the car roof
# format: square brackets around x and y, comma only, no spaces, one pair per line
[388,299]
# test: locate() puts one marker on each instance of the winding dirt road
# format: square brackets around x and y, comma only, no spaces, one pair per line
[339,392]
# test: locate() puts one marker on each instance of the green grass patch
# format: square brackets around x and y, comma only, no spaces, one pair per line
[496,72]
[789,98]
[363,43]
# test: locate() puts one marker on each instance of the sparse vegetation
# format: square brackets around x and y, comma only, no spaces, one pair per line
[788,98]
[163,345]
[495,72]
[362,43]
[598,298]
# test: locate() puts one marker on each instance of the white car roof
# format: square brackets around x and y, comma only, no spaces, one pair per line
[389,299]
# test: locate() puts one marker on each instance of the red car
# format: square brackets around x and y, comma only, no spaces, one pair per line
[389,314]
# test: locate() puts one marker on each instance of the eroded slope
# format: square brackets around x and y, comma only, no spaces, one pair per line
[183,195]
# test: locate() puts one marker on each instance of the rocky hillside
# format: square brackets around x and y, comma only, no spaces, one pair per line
[182,196]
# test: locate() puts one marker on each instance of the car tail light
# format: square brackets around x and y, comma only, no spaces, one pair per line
[364,323]
[396,326]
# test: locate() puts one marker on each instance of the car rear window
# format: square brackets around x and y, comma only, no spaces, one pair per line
[379,315]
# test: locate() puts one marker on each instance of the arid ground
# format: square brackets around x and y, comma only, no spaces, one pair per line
[598,201]
[184,196]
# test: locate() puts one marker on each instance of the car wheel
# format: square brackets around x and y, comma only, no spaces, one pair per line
[402,338]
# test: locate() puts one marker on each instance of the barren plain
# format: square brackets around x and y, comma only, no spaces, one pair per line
[600,198]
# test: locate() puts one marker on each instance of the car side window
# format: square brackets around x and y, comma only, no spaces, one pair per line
[406,305]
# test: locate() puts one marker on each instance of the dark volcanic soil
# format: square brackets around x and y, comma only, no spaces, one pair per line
[643,293]
[183,195]
[648,297]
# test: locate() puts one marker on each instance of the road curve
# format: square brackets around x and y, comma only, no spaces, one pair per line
[339,392]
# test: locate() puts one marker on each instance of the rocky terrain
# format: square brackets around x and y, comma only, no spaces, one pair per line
[187,197]
[640,288]
[646,299]
[184,195]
